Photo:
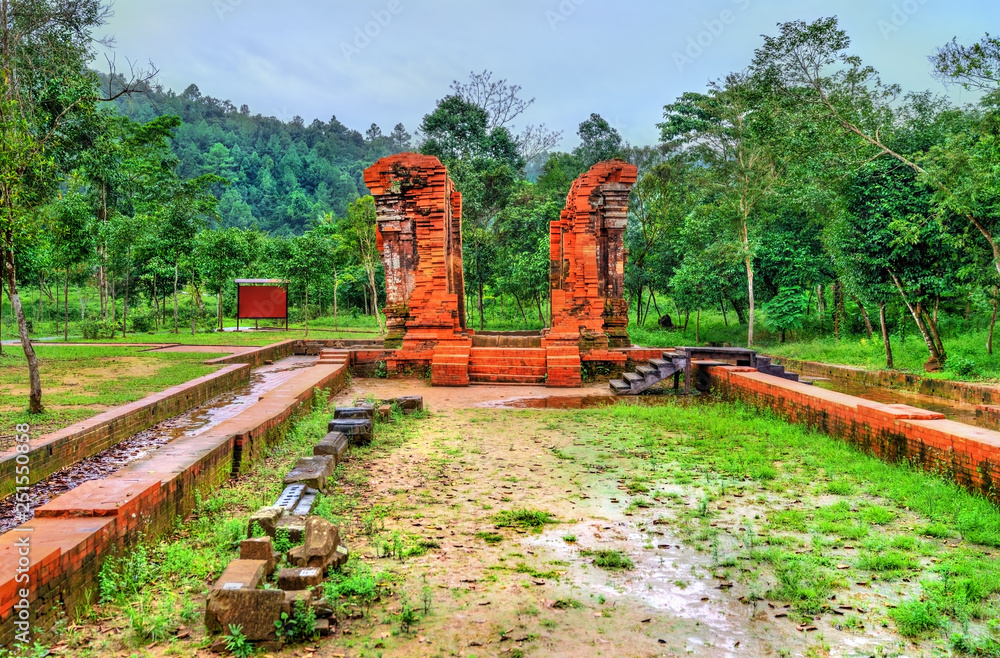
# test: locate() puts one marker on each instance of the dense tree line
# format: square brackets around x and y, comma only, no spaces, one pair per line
[802,191]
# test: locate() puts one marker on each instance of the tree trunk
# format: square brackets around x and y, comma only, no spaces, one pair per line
[520,307]
[220,309]
[736,308]
[836,309]
[697,327]
[725,318]
[864,314]
[66,308]
[482,318]
[307,311]
[820,303]
[750,313]
[336,285]
[932,325]
[885,336]
[41,311]
[35,382]
[916,312]
[687,318]
[374,287]
[993,321]
[128,273]
[541,315]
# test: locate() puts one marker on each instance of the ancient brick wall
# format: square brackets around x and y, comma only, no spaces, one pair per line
[587,259]
[72,535]
[587,274]
[968,455]
[52,452]
[420,237]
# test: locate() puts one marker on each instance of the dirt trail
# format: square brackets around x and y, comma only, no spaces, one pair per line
[535,594]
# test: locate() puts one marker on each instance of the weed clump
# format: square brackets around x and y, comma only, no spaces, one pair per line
[606,558]
[523,518]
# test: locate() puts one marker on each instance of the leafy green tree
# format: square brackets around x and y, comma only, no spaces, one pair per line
[221,255]
[599,142]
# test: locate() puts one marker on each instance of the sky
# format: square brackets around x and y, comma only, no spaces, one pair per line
[390,61]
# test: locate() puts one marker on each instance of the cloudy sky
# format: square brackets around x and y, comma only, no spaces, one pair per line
[389,61]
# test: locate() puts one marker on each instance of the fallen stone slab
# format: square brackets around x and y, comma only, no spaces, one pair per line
[242,574]
[322,627]
[384,413]
[306,504]
[291,496]
[339,558]
[410,403]
[333,444]
[359,431]
[254,610]
[259,548]
[296,578]
[294,596]
[361,411]
[295,526]
[321,541]
[312,472]
[267,518]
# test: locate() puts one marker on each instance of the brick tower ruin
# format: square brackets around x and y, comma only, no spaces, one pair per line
[587,263]
[419,233]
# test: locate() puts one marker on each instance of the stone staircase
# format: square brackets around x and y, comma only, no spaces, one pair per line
[645,376]
[450,365]
[507,365]
[765,366]
[335,357]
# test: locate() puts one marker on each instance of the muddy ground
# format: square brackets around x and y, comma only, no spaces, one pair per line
[538,592]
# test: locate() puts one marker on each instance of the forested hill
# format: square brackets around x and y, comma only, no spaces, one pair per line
[282,175]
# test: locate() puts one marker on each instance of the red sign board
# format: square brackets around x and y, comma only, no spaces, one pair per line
[263,303]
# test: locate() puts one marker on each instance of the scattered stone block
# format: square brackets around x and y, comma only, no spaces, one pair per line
[339,557]
[312,472]
[241,574]
[306,504]
[255,610]
[323,626]
[322,608]
[366,411]
[299,578]
[259,548]
[295,526]
[333,444]
[359,431]
[266,518]
[297,556]
[291,597]
[290,496]
[385,413]
[410,403]
[321,541]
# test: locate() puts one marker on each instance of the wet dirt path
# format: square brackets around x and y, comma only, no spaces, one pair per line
[496,591]
[191,423]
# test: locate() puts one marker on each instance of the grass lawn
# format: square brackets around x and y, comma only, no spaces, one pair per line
[81,381]
[553,529]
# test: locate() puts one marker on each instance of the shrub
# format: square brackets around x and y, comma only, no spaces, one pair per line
[98,329]
[963,366]
[141,319]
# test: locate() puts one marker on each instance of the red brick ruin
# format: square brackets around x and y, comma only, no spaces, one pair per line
[420,237]
[419,233]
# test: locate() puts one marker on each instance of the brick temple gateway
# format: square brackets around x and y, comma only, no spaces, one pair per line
[419,234]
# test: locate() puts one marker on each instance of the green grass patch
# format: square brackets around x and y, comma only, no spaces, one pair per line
[610,559]
[523,518]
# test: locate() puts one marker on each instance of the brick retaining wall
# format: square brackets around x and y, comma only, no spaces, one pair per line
[894,432]
[72,535]
[52,452]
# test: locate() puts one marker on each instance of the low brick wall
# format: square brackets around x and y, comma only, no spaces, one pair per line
[894,432]
[70,537]
[52,452]
[967,392]
[257,357]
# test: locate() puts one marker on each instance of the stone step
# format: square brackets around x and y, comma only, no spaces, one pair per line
[515,363]
[512,379]
[529,371]
[632,377]
[620,386]
[291,496]
[661,363]
[360,411]
[646,371]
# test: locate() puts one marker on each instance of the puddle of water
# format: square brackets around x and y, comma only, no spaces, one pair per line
[651,398]
[191,423]
[957,411]
[662,579]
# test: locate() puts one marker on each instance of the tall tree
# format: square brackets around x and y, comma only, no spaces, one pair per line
[45,46]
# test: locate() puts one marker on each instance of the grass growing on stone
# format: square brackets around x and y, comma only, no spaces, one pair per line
[82,381]
[153,593]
